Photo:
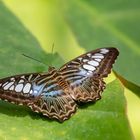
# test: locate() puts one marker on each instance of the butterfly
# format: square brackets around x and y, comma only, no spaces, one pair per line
[56,93]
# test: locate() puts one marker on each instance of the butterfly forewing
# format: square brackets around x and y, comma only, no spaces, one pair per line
[56,93]
[98,62]
[18,89]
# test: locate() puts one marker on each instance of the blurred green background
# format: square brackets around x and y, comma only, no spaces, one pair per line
[78,26]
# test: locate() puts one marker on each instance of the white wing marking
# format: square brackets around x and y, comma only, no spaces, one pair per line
[19,87]
[6,87]
[89,67]
[27,88]
[93,63]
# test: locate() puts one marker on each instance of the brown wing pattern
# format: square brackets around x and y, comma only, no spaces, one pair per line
[60,106]
[45,93]
[18,89]
[54,93]
[89,90]
[85,73]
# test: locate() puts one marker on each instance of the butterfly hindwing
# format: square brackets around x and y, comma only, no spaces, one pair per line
[88,90]
[55,99]
[60,106]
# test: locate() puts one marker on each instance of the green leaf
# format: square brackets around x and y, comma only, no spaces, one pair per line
[131,86]
[105,119]
[97,24]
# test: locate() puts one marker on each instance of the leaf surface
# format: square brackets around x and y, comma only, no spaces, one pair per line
[105,119]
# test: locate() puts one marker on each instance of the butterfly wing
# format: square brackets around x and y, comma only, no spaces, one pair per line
[57,104]
[18,89]
[41,92]
[85,73]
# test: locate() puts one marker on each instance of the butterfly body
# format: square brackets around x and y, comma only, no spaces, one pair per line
[56,92]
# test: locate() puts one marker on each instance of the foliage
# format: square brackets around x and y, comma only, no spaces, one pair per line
[96,26]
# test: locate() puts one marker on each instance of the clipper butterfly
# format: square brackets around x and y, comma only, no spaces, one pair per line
[56,93]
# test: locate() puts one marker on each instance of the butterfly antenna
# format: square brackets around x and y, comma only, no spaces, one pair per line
[52,52]
[34,59]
